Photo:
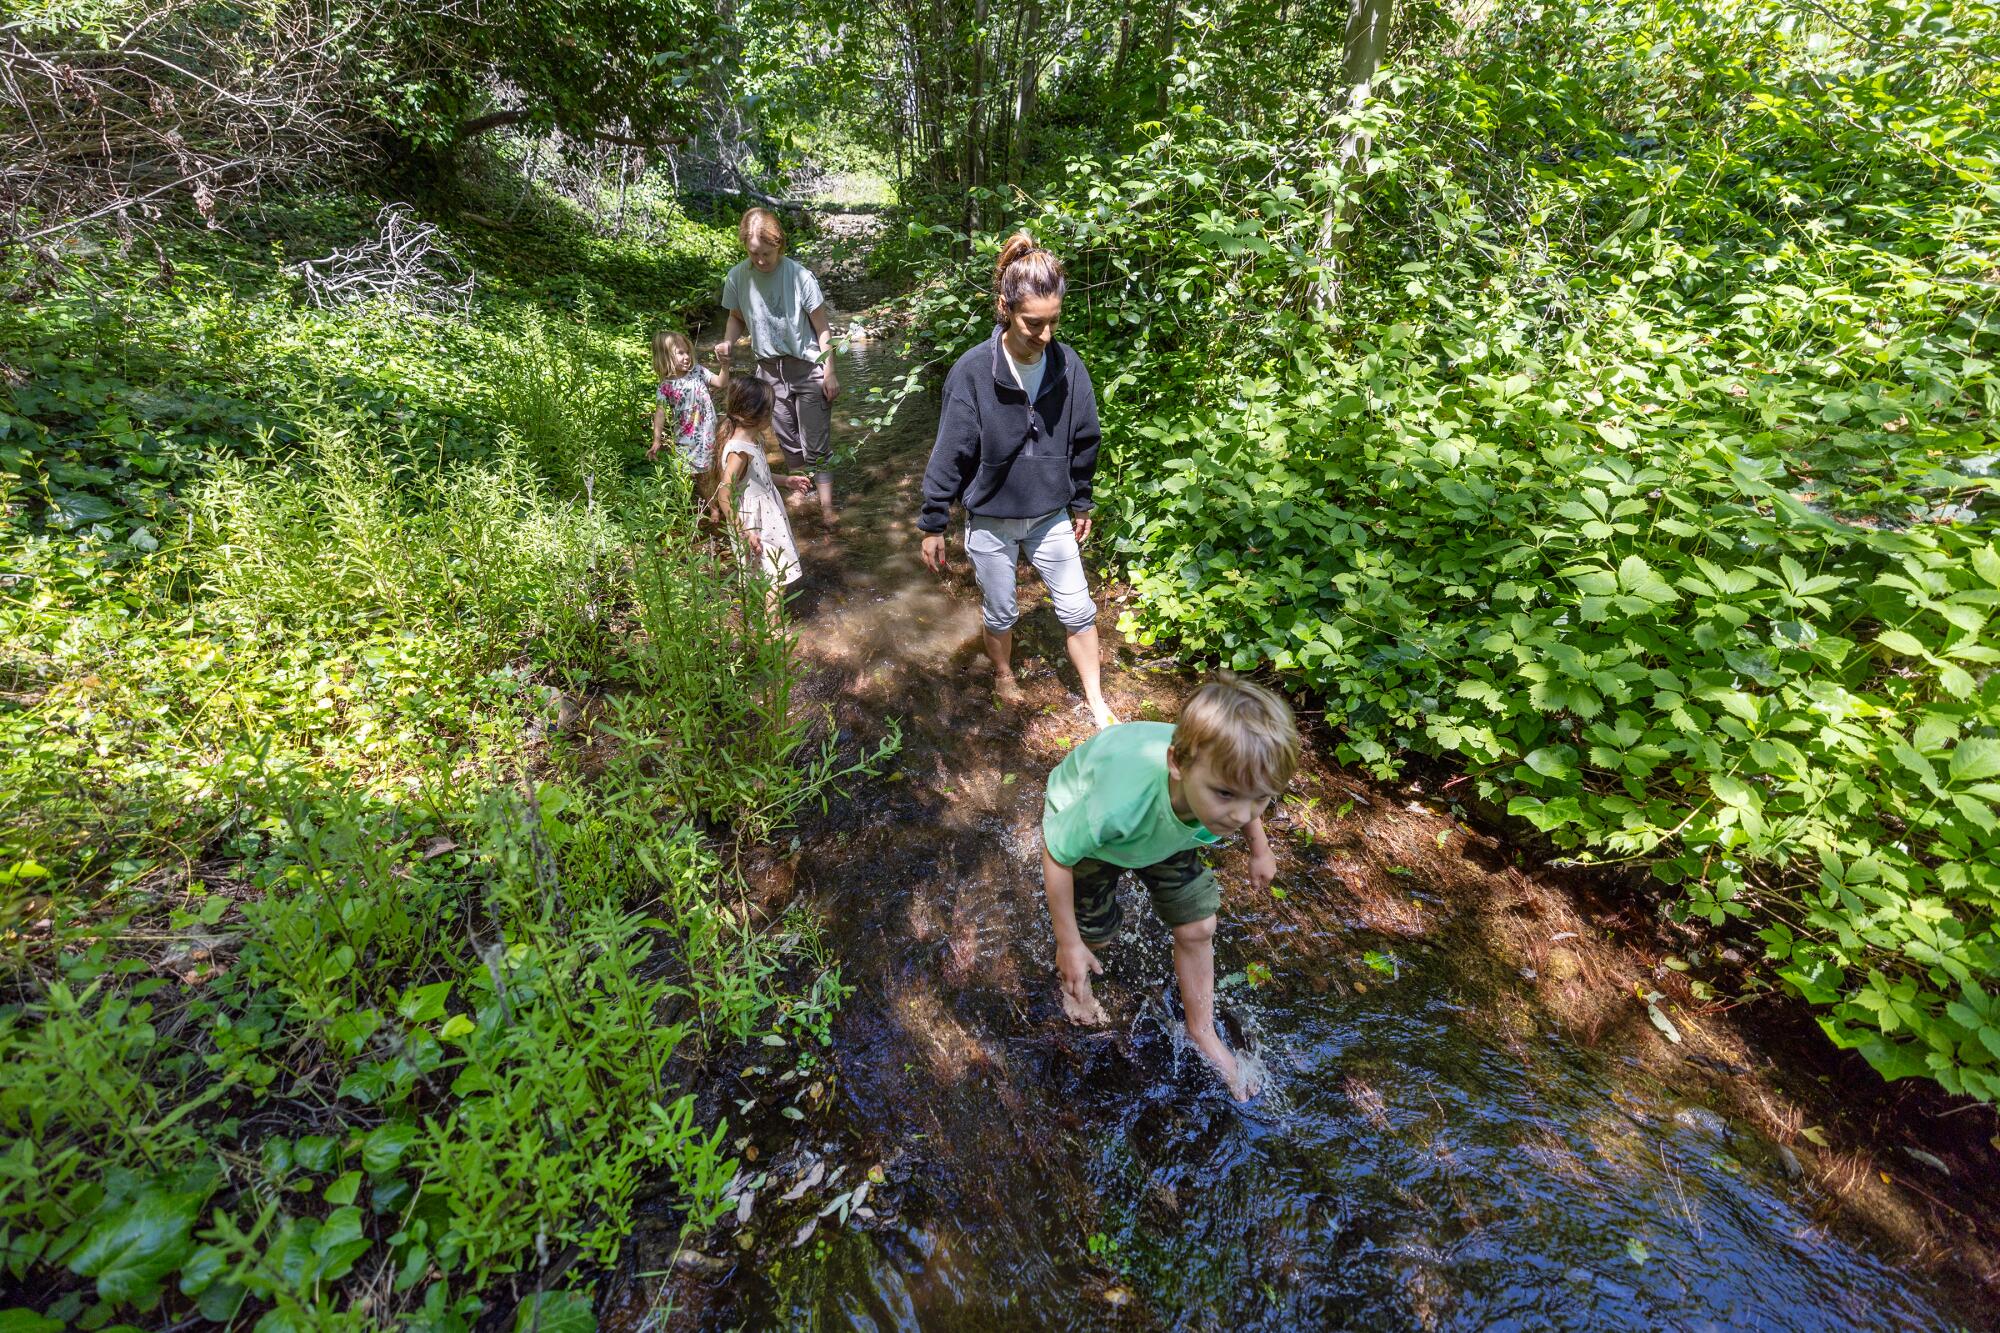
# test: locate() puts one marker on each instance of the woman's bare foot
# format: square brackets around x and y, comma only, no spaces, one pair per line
[1008,689]
[1101,714]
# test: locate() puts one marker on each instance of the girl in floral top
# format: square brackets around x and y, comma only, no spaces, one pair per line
[685,405]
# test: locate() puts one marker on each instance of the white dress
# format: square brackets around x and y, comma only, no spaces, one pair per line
[762,511]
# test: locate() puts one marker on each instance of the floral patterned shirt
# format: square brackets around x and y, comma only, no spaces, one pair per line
[690,417]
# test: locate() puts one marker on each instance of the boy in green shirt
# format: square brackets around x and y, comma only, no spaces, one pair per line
[1144,796]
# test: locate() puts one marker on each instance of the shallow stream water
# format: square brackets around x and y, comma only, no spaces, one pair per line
[1436,1145]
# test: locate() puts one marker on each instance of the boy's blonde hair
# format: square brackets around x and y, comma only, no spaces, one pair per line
[669,338]
[1245,731]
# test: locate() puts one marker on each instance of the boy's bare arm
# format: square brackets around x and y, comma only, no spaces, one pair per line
[1263,861]
[1074,959]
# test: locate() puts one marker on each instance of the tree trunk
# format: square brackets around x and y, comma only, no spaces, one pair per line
[1170,37]
[974,120]
[1029,85]
[1367,38]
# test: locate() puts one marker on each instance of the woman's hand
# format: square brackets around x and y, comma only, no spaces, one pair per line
[934,552]
[1080,523]
[721,350]
[830,383]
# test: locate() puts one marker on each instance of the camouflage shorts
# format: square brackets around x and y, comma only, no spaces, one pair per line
[1183,889]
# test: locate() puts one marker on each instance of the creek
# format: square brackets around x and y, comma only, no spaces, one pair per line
[1469,1120]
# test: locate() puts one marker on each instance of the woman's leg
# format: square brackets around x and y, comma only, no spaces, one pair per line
[995,552]
[1053,549]
[804,426]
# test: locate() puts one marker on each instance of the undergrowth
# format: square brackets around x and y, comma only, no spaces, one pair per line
[373,717]
[1615,418]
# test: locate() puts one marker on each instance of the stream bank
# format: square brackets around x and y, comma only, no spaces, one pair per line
[1475,1114]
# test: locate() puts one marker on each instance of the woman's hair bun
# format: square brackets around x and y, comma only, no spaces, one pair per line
[1024,270]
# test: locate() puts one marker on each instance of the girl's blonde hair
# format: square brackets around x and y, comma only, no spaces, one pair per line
[760,222]
[1025,270]
[749,407]
[662,342]
[1246,731]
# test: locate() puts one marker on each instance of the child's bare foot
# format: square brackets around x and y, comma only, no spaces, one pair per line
[829,520]
[1008,688]
[1101,714]
[1241,1083]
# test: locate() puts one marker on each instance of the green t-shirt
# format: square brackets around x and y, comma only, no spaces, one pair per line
[1108,801]
[776,307]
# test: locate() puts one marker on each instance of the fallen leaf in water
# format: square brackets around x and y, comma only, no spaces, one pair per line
[812,1178]
[860,1195]
[1814,1135]
[805,1232]
[875,1176]
[1636,1249]
[437,847]
[1887,1179]
[1007,779]
[743,1206]
[868,1213]
[1117,1297]
[750,1153]
[1562,935]
[745,1239]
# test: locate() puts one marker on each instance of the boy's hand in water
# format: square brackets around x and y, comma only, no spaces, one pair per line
[1263,869]
[1076,963]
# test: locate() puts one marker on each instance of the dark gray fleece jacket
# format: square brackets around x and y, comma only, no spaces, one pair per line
[1000,455]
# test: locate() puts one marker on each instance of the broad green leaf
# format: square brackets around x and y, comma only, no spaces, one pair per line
[1975,759]
[138,1245]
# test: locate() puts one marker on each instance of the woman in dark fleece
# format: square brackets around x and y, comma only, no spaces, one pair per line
[1017,447]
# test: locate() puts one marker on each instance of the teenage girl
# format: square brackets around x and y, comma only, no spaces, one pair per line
[777,301]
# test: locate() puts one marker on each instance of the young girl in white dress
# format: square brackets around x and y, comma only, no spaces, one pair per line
[748,494]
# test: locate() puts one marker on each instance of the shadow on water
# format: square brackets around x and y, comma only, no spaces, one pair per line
[1436,1148]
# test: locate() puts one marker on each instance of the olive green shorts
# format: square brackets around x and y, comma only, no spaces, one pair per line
[1184,891]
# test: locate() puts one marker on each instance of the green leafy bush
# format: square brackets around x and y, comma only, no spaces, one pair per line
[1640,460]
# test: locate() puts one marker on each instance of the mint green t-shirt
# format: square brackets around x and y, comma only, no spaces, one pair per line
[776,307]
[1108,801]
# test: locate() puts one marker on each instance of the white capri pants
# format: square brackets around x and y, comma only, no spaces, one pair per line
[995,547]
